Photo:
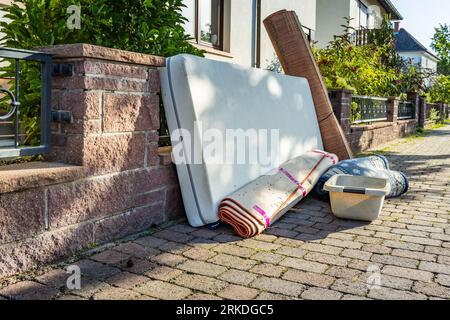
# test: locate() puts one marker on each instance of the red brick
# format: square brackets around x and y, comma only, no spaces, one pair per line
[88,199]
[122,225]
[44,248]
[82,104]
[21,215]
[107,153]
[128,112]
[174,208]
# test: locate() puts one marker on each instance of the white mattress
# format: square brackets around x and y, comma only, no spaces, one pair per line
[223,96]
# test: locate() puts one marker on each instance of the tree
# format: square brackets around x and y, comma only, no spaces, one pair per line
[441,44]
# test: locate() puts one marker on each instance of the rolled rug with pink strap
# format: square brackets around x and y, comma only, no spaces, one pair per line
[256,206]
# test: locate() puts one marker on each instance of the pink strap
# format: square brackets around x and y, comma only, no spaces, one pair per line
[290,177]
[264,214]
[327,155]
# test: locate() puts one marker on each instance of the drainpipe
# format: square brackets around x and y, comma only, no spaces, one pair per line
[254,28]
[256,34]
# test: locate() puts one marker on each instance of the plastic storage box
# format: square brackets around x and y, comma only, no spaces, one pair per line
[356,197]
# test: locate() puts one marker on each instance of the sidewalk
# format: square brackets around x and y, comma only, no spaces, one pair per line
[307,255]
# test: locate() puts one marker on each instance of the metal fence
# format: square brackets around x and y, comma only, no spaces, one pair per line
[405,110]
[10,128]
[369,109]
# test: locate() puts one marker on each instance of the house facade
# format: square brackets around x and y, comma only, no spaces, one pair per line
[233,31]
[364,15]
[411,50]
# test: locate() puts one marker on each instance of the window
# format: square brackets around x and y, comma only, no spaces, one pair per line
[205,21]
[363,15]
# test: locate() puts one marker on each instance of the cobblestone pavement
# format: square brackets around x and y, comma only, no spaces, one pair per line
[307,255]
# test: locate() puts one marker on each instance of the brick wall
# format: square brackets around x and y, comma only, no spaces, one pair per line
[370,136]
[110,181]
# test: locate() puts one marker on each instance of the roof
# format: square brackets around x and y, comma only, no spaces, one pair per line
[390,8]
[405,42]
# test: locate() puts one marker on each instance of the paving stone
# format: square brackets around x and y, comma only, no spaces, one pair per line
[396,282]
[351,286]
[68,297]
[163,273]
[267,296]
[349,297]
[395,261]
[136,265]
[29,290]
[292,252]
[169,259]
[233,262]
[432,289]
[424,241]
[322,248]
[205,233]
[435,267]
[412,274]
[375,248]
[280,286]
[238,277]
[203,297]
[443,279]
[114,293]
[308,278]
[234,292]
[199,254]
[150,241]
[173,236]
[96,270]
[126,280]
[163,290]
[137,250]
[393,294]
[356,254]
[326,258]
[182,228]
[89,287]
[201,267]
[56,278]
[110,257]
[340,272]
[259,245]
[234,250]
[268,257]
[403,245]
[343,243]
[321,294]
[304,265]
[414,255]
[267,269]
[200,283]
[174,247]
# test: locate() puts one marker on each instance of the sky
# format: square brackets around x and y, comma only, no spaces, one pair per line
[420,17]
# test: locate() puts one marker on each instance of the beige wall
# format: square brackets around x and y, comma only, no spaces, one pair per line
[238,28]
[422,59]
[331,14]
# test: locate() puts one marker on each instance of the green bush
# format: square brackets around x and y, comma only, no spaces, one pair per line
[145,26]
[440,90]
[435,117]
[374,69]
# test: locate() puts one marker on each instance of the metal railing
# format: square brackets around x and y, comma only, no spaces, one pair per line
[10,131]
[369,109]
[405,110]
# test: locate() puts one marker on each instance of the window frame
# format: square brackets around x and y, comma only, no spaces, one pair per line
[362,6]
[198,23]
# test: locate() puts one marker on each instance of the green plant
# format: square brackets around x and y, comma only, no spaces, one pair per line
[441,44]
[440,90]
[145,26]
[365,70]
[355,114]
[435,117]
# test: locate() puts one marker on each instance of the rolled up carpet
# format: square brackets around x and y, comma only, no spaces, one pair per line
[375,166]
[256,206]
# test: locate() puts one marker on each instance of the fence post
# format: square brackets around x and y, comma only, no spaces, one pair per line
[414,97]
[422,111]
[341,100]
[392,109]
[442,110]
